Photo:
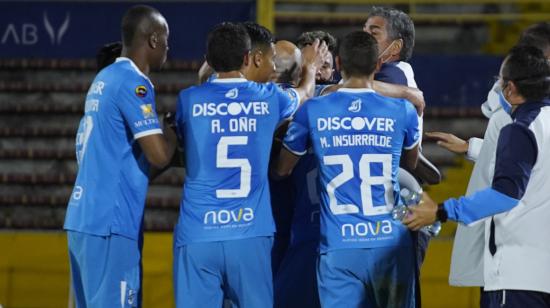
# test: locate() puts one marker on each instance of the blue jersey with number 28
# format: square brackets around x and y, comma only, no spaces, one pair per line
[357,138]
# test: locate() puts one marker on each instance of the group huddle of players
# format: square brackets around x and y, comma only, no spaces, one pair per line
[291,176]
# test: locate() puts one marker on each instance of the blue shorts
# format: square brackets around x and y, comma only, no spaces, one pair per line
[239,270]
[105,270]
[296,282]
[369,277]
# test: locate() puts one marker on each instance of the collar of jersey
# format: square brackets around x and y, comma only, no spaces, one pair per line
[356,90]
[228,80]
[119,59]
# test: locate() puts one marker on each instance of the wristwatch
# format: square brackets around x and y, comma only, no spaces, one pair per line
[441,213]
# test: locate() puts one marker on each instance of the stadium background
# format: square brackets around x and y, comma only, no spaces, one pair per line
[47,62]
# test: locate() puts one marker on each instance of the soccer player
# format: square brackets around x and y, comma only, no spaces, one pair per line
[357,137]
[324,76]
[469,242]
[224,233]
[118,139]
[516,270]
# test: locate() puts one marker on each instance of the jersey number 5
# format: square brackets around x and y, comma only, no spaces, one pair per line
[223,161]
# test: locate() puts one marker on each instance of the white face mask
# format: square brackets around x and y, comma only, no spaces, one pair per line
[380,55]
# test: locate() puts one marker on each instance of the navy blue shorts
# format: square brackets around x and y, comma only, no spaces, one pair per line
[296,281]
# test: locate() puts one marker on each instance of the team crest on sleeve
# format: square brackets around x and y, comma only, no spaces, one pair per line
[233,93]
[141,91]
[147,110]
[355,106]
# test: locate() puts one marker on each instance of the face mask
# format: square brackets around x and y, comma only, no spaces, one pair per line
[503,102]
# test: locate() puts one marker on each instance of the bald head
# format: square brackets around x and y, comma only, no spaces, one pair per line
[288,62]
[139,23]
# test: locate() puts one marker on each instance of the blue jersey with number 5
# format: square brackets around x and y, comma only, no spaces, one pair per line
[111,185]
[227,128]
[357,138]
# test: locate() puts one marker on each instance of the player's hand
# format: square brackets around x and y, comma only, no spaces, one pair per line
[449,142]
[416,97]
[423,214]
[313,55]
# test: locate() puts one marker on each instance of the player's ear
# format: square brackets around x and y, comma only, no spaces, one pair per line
[153,40]
[397,47]
[257,58]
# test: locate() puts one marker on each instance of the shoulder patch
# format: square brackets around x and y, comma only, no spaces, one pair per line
[147,110]
[141,91]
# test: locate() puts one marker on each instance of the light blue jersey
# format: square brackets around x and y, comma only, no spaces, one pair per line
[227,127]
[111,185]
[357,138]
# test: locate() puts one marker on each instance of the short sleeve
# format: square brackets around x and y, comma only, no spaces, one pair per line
[390,73]
[412,129]
[136,102]
[296,139]
[289,100]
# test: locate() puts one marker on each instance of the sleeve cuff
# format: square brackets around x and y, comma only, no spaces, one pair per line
[297,153]
[474,148]
[147,133]
[413,145]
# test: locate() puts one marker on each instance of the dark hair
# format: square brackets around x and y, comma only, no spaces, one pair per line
[132,19]
[307,38]
[226,47]
[108,54]
[527,67]
[537,35]
[399,26]
[260,36]
[358,53]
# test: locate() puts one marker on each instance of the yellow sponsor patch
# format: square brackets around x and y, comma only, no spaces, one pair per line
[147,110]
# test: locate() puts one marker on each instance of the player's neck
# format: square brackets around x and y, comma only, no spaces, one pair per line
[358,82]
[231,74]
[138,59]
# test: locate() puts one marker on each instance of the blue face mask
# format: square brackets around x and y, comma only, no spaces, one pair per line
[503,102]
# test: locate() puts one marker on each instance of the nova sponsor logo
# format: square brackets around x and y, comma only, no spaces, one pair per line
[222,217]
[233,109]
[367,229]
[355,123]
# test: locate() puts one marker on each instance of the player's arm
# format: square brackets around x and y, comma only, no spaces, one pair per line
[170,134]
[512,172]
[452,143]
[312,59]
[205,72]
[415,96]
[411,157]
[293,146]
[136,102]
